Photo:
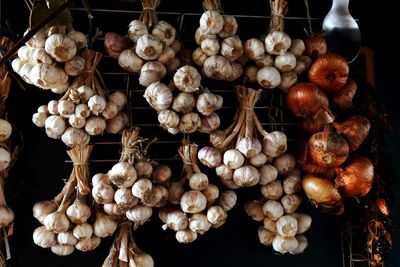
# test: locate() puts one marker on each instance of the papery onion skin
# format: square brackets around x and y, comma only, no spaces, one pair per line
[355,180]
[328,149]
[330,72]
[343,99]
[355,129]
[306,99]
[315,46]
[321,191]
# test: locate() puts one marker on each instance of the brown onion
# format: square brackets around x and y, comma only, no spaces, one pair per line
[328,149]
[312,126]
[343,99]
[315,46]
[330,72]
[356,178]
[355,129]
[321,191]
[114,44]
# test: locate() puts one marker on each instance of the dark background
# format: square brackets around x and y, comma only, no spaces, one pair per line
[41,168]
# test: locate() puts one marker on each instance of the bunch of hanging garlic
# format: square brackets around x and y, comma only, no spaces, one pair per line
[84,110]
[70,220]
[134,185]
[194,210]
[150,48]
[283,227]
[239,156]
[219,47]
[176,112]
[50,57]
[125,252]
[276,60]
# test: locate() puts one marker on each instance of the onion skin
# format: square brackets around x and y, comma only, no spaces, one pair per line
[321,191]
[306,99]
[355,180]
[315,46]
[312,126]
[343,99]
[330,72]
[328,149]
[355,129]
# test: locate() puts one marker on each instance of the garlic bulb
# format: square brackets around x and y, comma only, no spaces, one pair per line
[285,62]
[39,55]
[5,130]
[175,193]
[81,111]
[297,47]
[303,222]
[217,67]
[142,189]
[144,169]
[5,159]
[227,200]
[265,61]
[57,222]
[200,36]
[148,47]
[183,103]
[284,244]
[290,203]
[303,63]
[291,184]
[62,250]
[274,144]
[82,231]
[224,172]
[78,212]
[44,238]
[130,61]
[104,226]
[230,27]
[217,137]
[249,146]
[17,64]
[161,173]
[186,236]
[123,174]
[176,46]
[251,73]
[207,103]
[210,47]
[176,221]
[47,76]
[288,79]
[285,163]
[42,208]
[88,244]
[211,22]
[110,110]
[119,98]
[158,95]
[168,118]
[211,192]
[75,66]
[199,56]
[187,79]
[232,48]
[100,178]
[268,77]
[198,223]
[193,201]
[149,76]
[287,226]
[198,181]
[210,156]
[85,92]
[277,43]
[154,66]
[265,236]
[237,71]
[66,108]
[246,176]
[118,123]
[66,238]
[60,47]
[166,55]
[124,198]
[38,39]
[216,215]
[95,125]
[273,209]
[270,225]
[268,174]
[189,122]
[303,243]
[96,104]
[254,209]
[39,119]
[254,49]
[233,159]
[103,193]
[209,123]
[164,32]
[139,214]
[25,53]
[257,161]
[55,126]
[79,38]
[273,190]
[136,29]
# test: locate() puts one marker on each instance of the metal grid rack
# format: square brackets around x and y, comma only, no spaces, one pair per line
[270,108]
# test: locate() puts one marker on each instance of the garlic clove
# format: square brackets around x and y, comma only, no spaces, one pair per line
[224,172]
[96,104]
[286,226]
[273,209]
[199,56]
[199,36]
[62,250]
[265,236]
[88,244]
[233,159]
[297,47]
[55,126]
[249,146]
[39,119]
[44,238]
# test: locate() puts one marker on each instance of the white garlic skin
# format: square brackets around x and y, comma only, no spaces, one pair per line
[110,110]
[211,22]
[198,181]
[199,36]
[144,169]
[231,48]
[277,42]
[176,221]
[254,209]
[199,56]
[74,137]
[100,178]
[66,108]
[166,55]
[124,198]
[265,61]
[103,193]
[193,201]
[206,103]
[62,250]
[284,163]
[85,93]
[39,119]
[270,225]
[287,226]
[82,231]
[258,160]
[55,126]
[57,222]
[274,144]
[273,209]
[79,212]
[190,122]
[246,176]
[249,146]
[227,200]
[230,26]
[79,38]
[288,79]
[224,172]
[175,193]
[254,49]
[237,71]
[130,61]
[217,67]
[209,123]
[164,32]
[104,226]
[47,76]
[60,47]
[39,55]
[273,190]
[17,64]
[95,125]
[25,72]
[136,29]
[285,62]
[186,236]
[118,123]
[96,104]
[148,47]
[291,184]
[303,222]
[251,73]
[210,157]
[139,214]
[123,174]
[198,223]
[210,47]
[119,98]
[155,66]
[25,53]
[158,95]
[75,66]
[297,47]
[187,79]
[5,160]
[44,238]
[211,192]
[302,245]
[233,159]
[216,215]
[161,173]
[142,189]
[38,40]
[268,77]
[268,174]
[5,130]
[168,118]
[88,244]
[42,208]
[265,236]
[66,238]
[183,102]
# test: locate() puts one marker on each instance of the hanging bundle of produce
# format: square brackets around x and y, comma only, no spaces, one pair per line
[149,48]
[125,252]
[241,151]
[283,227]
[71,220]
[85,109]
[189,107]
[196,204]
[134,185]
[219,47]
[275,60]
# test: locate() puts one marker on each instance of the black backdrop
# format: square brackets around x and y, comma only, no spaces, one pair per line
[41,168]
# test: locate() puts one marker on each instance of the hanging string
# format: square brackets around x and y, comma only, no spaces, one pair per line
[308,17]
